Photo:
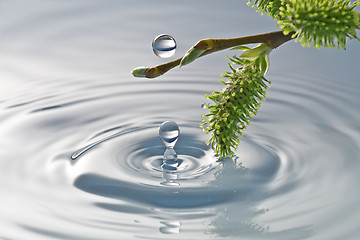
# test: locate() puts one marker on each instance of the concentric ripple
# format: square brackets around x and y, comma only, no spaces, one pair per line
[112,164]
[138,152]
[136,155]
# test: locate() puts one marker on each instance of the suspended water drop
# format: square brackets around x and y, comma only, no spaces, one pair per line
[169,133]
[164,46]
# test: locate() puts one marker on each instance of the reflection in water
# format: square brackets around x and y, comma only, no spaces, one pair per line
[170,227]
[170,178]
[233,206]
[239,220]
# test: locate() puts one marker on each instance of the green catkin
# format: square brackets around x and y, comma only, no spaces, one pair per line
[234,107]
[271,7]
[320,23]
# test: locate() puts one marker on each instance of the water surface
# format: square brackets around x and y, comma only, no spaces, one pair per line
[80,155]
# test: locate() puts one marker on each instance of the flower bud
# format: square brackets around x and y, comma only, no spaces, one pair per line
[139,72]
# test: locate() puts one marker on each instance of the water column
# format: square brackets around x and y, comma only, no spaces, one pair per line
[169,133]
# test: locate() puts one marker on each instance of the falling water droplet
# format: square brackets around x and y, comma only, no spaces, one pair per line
[164,46]
[169,133]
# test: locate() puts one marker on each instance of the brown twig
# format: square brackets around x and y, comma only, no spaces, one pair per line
[272,39]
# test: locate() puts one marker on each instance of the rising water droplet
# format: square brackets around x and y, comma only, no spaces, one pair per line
[164,46]
[169,133]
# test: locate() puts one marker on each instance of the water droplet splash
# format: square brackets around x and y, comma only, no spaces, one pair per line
[170,160]
[169,133]
[164,46]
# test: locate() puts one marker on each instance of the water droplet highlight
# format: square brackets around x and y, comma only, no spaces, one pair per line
[169,133]
[164,46]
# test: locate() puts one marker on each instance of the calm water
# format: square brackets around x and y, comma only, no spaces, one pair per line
[80,155]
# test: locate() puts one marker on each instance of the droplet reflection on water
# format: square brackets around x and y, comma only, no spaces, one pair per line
[164,46]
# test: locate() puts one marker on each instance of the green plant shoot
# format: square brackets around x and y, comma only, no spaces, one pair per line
[240,100]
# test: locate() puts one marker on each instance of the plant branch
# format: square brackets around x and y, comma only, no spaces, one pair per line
[208,46]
